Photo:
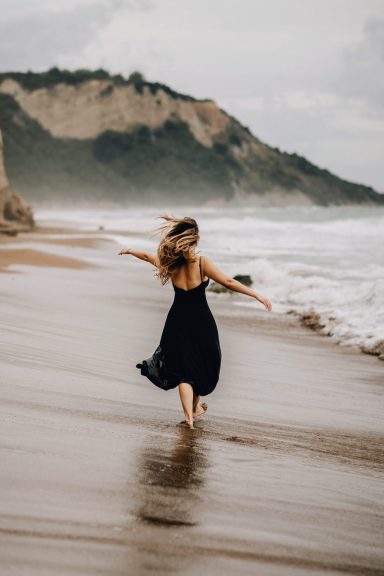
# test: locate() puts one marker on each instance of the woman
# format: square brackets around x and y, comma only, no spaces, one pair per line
[189,354]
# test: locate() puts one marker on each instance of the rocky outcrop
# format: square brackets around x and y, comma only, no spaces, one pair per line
[15,214]
[88,135]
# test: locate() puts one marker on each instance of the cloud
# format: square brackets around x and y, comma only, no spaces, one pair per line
[305,100]
[45,35]
[362,75]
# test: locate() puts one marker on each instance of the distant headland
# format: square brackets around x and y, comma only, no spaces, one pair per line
[93,136]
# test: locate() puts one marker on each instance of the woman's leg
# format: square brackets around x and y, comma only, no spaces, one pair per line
[186,397]
[195,401]
[198,409]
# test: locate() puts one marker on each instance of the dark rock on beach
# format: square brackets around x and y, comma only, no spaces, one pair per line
[375,350]
[218,288]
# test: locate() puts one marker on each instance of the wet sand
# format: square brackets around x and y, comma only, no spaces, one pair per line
[283,475]
[31,257]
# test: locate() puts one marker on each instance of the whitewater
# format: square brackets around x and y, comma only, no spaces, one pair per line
[307,260]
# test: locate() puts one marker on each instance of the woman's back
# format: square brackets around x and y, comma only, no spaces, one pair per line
[189,275]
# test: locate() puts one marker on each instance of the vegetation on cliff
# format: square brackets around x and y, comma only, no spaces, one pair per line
[54,76]
[182,157]
[114,166]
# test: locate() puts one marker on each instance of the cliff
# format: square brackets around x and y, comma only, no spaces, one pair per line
[90,135]
[15,214]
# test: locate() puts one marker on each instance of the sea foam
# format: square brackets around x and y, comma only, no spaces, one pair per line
[327,262]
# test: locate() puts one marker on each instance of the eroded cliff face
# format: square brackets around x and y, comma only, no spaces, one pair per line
[15,214]
[88,110]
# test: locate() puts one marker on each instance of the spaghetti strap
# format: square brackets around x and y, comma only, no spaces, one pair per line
[201,277]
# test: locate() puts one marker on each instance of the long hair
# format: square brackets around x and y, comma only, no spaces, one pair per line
[177,245]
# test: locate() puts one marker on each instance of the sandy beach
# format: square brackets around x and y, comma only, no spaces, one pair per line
[282,476]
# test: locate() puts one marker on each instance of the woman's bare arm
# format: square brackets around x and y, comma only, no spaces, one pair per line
[212,271]
[146,256]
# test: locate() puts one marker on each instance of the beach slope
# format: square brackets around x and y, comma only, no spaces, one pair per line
[282,476]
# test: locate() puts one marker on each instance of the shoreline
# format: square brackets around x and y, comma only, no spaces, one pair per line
[74,237]
[91,250]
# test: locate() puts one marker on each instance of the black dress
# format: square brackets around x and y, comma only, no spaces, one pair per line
[189,349]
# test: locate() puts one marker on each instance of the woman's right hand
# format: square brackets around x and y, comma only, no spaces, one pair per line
[124,251]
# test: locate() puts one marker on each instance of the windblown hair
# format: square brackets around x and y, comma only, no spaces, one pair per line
[177,245]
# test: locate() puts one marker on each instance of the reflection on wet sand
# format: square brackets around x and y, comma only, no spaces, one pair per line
[167,496]
[170,476]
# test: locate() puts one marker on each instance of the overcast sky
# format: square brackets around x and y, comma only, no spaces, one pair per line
[304,75]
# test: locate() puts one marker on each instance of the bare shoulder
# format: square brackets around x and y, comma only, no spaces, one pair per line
[207,264]
[205,260]
[210,269]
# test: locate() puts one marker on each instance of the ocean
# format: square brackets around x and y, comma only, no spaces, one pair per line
[325,261]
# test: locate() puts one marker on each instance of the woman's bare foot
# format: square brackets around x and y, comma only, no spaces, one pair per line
[189,423]
[200,409]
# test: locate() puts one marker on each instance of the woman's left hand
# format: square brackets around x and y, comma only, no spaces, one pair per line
[266,302]
[124,251]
